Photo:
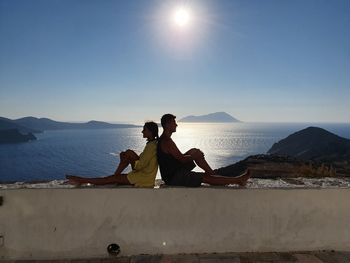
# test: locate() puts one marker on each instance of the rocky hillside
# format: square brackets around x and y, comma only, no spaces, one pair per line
[272,166]
[313,143]
[14,136]
[312,152]
[7,124]
[48,124]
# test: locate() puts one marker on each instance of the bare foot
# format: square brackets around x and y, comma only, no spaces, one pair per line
[243,178]
[75,180]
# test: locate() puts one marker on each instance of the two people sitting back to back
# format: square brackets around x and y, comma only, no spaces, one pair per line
[175,167]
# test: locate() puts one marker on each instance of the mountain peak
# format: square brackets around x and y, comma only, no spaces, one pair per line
[211,117]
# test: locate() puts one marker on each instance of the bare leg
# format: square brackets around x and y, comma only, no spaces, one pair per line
[126,158]
[120,179]
[222,180]
[198,157]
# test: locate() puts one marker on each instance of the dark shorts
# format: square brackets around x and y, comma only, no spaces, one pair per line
[185,177]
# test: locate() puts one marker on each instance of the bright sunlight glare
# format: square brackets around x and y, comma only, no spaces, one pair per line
[181,16]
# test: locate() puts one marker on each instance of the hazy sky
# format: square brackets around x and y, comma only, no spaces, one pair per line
[259,60]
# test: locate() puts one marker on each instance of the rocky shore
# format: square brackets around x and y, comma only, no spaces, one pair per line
[14,136]
[275,166]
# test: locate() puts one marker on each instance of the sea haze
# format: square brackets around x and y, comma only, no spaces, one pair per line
[96,152]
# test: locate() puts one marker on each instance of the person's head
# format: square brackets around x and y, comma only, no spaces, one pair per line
[168,122]
[150,131]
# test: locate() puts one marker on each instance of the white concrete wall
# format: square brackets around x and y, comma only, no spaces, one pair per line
[80,223]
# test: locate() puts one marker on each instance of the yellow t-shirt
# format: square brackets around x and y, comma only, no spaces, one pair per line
[145,170]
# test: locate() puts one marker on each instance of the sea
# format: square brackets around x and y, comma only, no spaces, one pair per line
[95,153]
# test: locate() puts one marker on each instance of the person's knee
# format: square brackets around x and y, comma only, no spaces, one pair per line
[197,154]
[122,155]
[192,151]
[130,155]
[125,156]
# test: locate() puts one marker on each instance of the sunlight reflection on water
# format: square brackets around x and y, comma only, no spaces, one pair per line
[223,144]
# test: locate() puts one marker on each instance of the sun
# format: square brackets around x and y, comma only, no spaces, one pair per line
[182,17]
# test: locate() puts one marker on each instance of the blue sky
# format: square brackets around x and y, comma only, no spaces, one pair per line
[268,61]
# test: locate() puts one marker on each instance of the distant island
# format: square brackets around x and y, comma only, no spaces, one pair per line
[7,124]
[36,125]
[21,130]
[14,136]
[212,117]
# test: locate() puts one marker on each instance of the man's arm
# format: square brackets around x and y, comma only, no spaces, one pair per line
[170,147]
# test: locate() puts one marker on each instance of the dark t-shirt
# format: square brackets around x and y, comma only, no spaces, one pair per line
[168,165]
[174,172]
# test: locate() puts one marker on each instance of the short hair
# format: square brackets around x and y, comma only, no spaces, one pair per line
[166,118]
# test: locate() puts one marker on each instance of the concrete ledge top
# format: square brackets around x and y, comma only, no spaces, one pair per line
[169,188]
[253,183]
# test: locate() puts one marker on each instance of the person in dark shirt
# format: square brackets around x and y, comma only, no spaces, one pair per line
[176,167]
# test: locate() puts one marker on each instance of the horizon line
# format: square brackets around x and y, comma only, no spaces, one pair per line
[138,121]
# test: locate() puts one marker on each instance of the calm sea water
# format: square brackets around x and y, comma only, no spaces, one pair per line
[95,152]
